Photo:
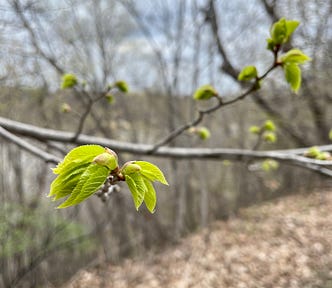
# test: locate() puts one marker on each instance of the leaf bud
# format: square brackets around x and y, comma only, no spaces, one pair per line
[130,167]
[108,159]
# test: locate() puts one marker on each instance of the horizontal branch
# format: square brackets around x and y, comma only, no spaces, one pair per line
[292,156]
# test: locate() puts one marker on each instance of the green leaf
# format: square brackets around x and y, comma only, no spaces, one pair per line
[65,183]
[150,197]
[270,137]
[282,30]
[205,92]
[90,181]
[279,31]
[79,155]
[68,81]
[137,188]
[295,56]
[122,86]
[203,133]
[293,76]
[270,44]
[269,125]
[110,98]
[291,25]
[151,172]
[255,129]
[247,73]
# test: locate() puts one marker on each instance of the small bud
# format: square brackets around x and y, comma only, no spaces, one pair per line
[110,98]
[270,137]
[205,92]
[269,165]
[65,108]
[108,159]
[313,152]
[122,86]
[269,125]
[323,156]
[255,130]
[203,133]
[68,81]
[130,168]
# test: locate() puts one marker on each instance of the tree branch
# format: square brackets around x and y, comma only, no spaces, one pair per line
[47,157]
[291,156]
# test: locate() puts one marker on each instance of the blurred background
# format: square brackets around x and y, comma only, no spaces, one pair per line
[164,49]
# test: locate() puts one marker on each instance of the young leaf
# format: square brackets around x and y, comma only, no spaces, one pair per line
[68,81]
[150,197]
[203,133]
[81,154]
[65,183]
[282,30]
[205,92]
[90,181]
[110,160]
[255,129]
[122,86]
[291,25]
[270,137]
[293,76]
[137,188]
[247,73]
[295,56]
[269,125]
[279,31]
[151,172]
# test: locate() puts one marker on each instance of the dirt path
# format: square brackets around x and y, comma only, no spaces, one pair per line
[283,243]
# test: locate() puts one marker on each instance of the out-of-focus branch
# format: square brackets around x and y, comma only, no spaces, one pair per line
[47,157]
[33,37]
[211,18]
[291,156]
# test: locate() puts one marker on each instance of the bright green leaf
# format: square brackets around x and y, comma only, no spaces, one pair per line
[203,133]
[205,92]
[255,129]
[137,188]
[68,81]
[279,31]
[269,125]
[291,25]
[270,137]
[282,30]
[65,183]
[270,44]
[151,172]
[91,180]
[295,56]
[81,154]
[122,86]
[247,73]
[150,197]
[293,76]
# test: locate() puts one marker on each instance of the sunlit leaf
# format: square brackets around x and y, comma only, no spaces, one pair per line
[293,76]
[205,92]
[295,56]
[248,73]
[151,172]
[90,181]
[150,197]
[81,154]
[137,188]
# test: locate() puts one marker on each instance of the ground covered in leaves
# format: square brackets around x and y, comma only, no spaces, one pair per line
[284,243]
